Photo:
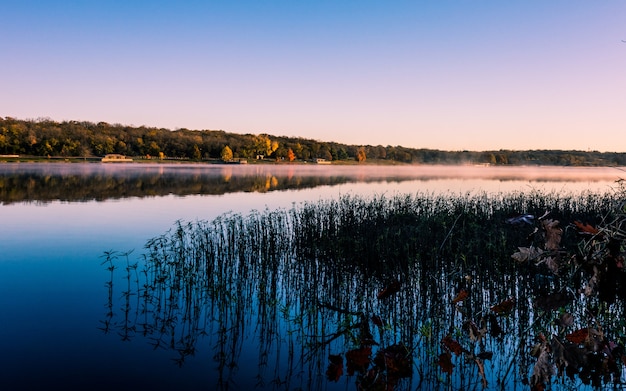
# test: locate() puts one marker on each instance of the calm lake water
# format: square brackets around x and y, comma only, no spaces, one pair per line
[57,220]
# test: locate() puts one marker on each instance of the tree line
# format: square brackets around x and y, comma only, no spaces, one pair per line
[45,137]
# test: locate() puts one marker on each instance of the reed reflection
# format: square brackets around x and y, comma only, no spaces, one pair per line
[388,293]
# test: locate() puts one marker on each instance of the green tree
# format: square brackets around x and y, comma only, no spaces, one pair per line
[227,154]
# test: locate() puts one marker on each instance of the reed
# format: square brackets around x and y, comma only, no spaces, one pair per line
[306,283]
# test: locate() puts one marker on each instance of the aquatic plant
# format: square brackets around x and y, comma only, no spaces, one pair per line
[411,290]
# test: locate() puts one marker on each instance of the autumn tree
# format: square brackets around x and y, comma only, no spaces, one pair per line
[290,155]
[227,154]
[360,155]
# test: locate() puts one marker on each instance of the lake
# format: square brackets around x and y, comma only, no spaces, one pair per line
[67,322]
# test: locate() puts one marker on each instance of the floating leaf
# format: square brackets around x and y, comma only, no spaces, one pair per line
[391,289]
[504,307]
[526,254]
[396,359]
[553,234]
[445,362]
[462,295]
[357,360]
[585,228]
[566,319]
[452,345]
[335,368]
[542,371]
[553,264]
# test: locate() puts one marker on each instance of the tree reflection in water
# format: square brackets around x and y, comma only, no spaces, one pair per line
[404,292]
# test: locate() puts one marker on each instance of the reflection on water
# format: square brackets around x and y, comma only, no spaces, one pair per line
[407,293]
[91,181]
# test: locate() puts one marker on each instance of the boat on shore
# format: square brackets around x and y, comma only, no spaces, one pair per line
[116,158]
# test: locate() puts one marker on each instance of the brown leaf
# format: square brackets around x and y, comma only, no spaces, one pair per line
[391,289]
[445,362]
[504,307]
[335,368]
[553,234]
[396,359]
[452,345]
[553,264]
[566,320]
[462,295]
[526,254]
[542,371]
[585,228]
[579,336]
[475,333]
[357,360]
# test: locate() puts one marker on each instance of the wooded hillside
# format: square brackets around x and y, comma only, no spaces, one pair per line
[44,137]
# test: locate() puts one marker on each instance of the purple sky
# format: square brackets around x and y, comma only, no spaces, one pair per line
[439,74]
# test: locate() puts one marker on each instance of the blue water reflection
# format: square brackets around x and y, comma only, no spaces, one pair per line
[53,292]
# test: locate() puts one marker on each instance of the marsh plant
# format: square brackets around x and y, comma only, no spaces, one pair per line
[401,292]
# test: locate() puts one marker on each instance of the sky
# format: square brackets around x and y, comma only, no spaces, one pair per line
[450,75]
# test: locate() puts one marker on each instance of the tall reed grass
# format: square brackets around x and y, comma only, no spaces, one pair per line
[304,281]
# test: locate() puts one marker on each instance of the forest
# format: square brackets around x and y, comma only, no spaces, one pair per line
[44,137]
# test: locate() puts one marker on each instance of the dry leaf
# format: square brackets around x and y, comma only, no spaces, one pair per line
[451,345]
[526,254]
[553,234]
[585,228]
[389,290]
[357,360]
[462,295]
[335,368]
[504,307]
[445,362]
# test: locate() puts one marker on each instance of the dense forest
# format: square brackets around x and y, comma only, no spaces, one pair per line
[47,138]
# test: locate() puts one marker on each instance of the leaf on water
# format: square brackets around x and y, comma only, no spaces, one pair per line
[553,264]
[579,336]
[452,345]
[553,234]
[566,320]
[586,229]
[445,362]
[335,368]
[504,307]
[567,356]
[526,254]
[396,359]
[391,289]
[542,371]
[475,333]
[462,295]
[553,301]
[357,360]
[481,371]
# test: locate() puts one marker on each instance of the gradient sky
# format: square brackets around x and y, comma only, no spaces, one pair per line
[452,75]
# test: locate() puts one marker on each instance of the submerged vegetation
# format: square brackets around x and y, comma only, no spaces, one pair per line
[431,291]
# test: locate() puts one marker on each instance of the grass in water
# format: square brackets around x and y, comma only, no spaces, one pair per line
[463,291]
